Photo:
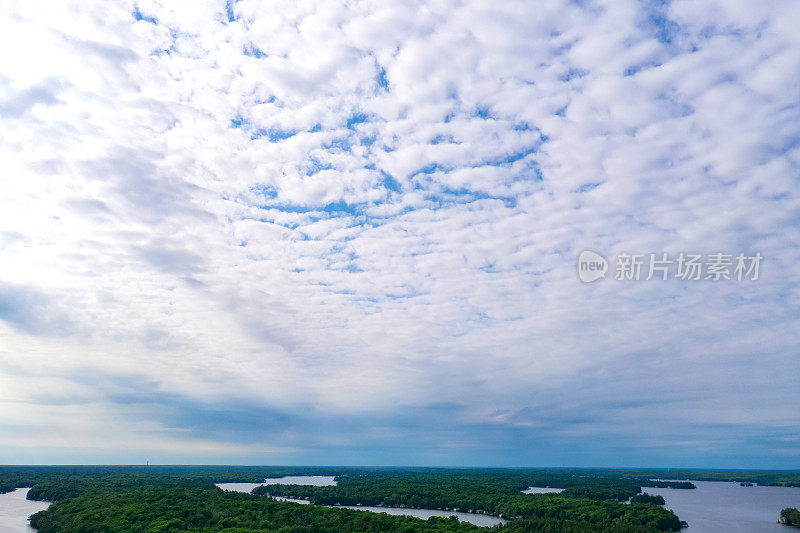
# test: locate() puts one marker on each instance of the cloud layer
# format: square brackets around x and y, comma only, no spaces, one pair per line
[346,232]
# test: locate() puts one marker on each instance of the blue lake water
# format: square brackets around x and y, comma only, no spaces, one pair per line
[317,481]
[725,507]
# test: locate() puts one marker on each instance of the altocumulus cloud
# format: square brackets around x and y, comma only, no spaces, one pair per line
[328,232]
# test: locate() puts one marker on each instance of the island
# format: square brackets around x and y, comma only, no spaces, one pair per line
[648,498]
[790,517]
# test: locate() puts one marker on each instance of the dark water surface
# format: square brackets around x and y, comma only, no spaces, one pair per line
[725,507]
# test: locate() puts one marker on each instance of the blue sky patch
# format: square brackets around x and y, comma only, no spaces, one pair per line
[138,15]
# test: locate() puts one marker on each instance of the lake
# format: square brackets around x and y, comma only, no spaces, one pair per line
[726,507]
[541,490]
[15,510]
[321,481]
[317,481]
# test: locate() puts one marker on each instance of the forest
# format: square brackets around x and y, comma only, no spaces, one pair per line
[585,498]
[172,499]
[648,498]
[138,499]
[790,517]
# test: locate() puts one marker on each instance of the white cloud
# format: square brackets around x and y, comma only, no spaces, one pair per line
[360,209]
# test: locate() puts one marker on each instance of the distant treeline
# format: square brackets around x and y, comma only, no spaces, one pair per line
[761,477]
[668,484]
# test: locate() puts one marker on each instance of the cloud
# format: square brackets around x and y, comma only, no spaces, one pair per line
[31,311]
[353,225]
[17,103]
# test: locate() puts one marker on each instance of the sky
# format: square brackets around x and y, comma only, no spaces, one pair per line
[293,232]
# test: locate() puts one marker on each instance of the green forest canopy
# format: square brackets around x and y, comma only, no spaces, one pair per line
[167,499]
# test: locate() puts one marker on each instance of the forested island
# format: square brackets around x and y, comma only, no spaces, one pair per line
[172,499]
[761,477]
[648,498]
[790,517]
